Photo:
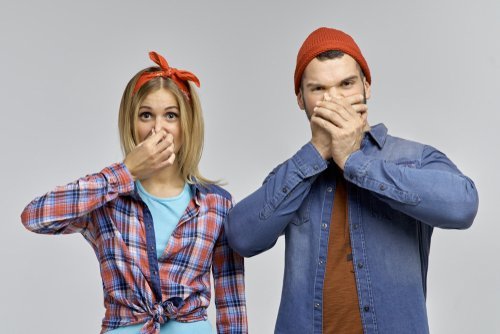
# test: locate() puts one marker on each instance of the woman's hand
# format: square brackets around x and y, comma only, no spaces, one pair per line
[154,153]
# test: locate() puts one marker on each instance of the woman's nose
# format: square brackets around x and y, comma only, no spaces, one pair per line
[158,124]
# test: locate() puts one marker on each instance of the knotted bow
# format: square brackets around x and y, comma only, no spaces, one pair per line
[162,312]
[180,77]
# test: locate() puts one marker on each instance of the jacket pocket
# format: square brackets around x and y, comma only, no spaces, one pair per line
[304,213]
[382,210]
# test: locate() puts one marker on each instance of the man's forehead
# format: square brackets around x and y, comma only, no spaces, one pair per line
[336,69]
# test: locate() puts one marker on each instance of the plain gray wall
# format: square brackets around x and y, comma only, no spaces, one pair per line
[64,65]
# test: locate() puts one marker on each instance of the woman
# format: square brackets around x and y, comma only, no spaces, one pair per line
[154,222]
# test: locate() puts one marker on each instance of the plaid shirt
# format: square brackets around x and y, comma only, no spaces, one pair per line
[138,287]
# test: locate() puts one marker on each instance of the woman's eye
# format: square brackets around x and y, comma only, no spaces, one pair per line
[171,115]
[145,115]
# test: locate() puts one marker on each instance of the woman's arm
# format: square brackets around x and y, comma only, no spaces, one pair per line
[66,209]
[228,272]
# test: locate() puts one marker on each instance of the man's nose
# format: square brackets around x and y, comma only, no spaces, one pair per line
[335,92]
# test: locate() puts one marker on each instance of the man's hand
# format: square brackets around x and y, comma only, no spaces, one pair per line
[154,153]
[321,137]
[344,119]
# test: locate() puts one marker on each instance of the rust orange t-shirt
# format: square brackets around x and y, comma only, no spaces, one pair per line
[341,313]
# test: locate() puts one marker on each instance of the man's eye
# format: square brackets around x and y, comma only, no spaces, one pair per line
[347,84]
[317,88]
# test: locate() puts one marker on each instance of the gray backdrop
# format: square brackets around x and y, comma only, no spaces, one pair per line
[64,64]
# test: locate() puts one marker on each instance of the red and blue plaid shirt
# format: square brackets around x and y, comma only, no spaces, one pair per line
[139,287]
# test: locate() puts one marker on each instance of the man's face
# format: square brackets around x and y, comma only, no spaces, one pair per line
[338,77]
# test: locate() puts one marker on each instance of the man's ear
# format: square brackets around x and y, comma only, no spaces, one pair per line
[368,92]
[300,100]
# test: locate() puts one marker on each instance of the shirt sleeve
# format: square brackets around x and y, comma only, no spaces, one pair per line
[256,222]
[66,209]
[434,191]
[229,284]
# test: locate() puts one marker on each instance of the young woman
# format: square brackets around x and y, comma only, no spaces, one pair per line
[153,221]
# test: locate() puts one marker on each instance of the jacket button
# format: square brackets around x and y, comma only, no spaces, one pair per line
[321,262]
[382,187]
[316,305]
[329,189]
[355,226]
[366,308]
[284,190]
[360,265]
[324,226]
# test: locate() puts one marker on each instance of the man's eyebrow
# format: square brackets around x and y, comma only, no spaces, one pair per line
[352,77]
[317,84]
[310,84]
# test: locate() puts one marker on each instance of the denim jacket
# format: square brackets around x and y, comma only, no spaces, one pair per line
[398,191]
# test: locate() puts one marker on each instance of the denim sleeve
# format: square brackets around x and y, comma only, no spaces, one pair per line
[434,192]
[255,223]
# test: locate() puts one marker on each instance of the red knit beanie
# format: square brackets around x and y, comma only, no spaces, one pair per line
[326,39]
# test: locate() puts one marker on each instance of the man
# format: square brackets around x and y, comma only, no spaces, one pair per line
[356,205]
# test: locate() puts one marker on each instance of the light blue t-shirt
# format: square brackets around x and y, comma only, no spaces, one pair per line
[166,213]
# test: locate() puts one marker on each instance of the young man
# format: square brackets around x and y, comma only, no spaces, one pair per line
[356,205]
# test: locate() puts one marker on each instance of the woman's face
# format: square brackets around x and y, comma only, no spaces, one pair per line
[160,110]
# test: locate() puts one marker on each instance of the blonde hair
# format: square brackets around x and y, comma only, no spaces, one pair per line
[191,120]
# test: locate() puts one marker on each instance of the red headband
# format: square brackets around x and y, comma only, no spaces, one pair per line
[180,77]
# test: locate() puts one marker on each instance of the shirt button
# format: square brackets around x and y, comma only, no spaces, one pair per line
[360,265]
[329,189]
[324,226]
[366,308]
[382,187]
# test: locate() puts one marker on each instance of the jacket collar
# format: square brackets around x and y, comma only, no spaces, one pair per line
[378,133]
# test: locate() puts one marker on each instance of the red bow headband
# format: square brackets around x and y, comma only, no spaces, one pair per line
[180,77]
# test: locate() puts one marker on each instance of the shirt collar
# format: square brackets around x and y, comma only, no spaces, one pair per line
[197,192]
